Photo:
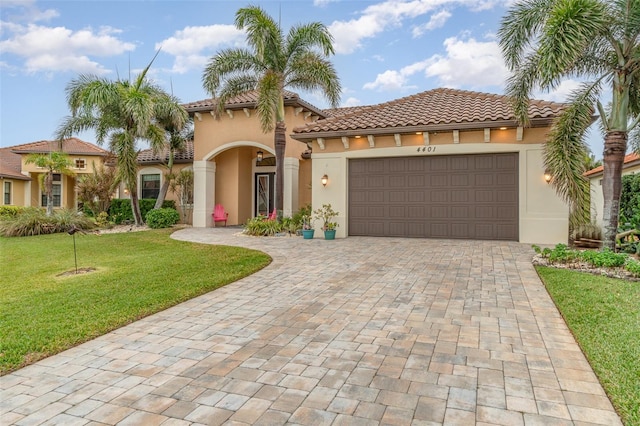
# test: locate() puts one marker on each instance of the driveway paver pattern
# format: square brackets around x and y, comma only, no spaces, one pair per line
[345,332]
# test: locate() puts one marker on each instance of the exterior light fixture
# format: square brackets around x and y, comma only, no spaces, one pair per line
[324,180]
[358,136]
[259,156]
[547,176]
[418,133]
[126,191]
[503,128]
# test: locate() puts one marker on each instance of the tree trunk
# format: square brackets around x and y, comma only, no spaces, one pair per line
[135,208]
[163,193]
[48,188]
[615,147]
[280,143]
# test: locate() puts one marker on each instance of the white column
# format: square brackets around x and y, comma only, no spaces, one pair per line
[204,193]
[27,191]
[291,169]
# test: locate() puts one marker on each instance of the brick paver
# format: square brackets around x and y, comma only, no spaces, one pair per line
[353,331]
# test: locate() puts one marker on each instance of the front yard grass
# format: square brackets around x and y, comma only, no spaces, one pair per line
[604,316]
[137,274]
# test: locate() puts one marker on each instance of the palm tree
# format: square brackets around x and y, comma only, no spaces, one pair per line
[54,162]
[124,113]
[274,61]
[177,139]
[544,41]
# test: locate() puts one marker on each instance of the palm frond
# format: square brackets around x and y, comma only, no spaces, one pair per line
[263,33]
[227,64]
[566,149]
[310,71]
[269,100]
[519,29]
[303,38]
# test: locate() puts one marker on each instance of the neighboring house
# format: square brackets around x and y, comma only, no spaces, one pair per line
[234,162]
[630,165]
[20,180]
[439,164]
[152,169]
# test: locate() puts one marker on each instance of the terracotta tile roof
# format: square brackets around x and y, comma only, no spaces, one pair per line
[73,146]
[629,161]
[337,112]
[249,100]
[443,108]
[10,165]
[183,156]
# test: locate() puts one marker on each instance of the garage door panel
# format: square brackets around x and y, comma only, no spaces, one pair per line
[464,196]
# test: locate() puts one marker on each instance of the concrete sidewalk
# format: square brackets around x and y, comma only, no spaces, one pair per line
[353,331]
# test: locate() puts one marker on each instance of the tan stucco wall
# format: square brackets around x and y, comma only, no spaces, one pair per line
[91,161]
[597,198]
[305,184]
[543,217]
[211,133]
[18,188]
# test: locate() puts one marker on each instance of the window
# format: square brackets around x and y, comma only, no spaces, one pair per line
[150,186]
[7,193]
[56,192]
[81,163]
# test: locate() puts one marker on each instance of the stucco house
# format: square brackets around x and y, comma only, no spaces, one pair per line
[234,162]
[20,180]
[631,165]
[442,164]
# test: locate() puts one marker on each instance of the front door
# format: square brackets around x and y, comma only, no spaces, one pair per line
[264,193]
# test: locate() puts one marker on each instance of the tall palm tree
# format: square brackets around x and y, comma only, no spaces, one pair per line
[272,62]
[54,162]
[123,113]
[544,41]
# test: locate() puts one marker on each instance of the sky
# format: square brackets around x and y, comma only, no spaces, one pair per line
[385,50]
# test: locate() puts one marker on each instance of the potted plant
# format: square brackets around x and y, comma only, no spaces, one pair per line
[326,214]
[307,227]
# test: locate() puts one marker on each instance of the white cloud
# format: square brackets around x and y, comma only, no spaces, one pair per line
[349,35]
[51,49]
[560,94]
[468,63]
[392,80]
[193,46]
[351,101]
[437,20]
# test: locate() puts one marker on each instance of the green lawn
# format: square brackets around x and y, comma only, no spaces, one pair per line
[137,274]
[604,316]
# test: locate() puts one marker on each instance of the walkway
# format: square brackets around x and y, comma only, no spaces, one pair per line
[353,331]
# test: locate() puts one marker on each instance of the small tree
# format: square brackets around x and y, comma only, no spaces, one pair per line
[182,185]
[54,162]
[95,189]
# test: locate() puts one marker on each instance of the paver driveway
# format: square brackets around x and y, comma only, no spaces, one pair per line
[354,331]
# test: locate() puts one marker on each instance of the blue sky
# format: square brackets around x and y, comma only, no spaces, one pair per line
[384,50]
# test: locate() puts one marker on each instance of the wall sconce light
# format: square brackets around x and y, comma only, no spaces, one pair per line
[324,180]
[126,191]
[547,176]
[259,156]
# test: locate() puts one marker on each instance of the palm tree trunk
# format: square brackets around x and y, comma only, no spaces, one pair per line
[48,188]
[163,193]
[135,208]
[280,143]
[615,147]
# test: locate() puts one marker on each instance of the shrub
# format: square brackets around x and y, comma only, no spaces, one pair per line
[260,227]
[162,218]
[10,211]
[120,209]
[633,266]
[34,221]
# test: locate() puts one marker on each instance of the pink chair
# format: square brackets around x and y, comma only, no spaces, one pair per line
[272,216]
[219,214]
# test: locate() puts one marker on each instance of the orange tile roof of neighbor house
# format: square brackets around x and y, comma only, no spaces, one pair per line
[433,109]
[183,156]
[10,165]
[629,160]
[72,146]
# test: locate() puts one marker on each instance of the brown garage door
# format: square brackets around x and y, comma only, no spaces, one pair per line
[454,196]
